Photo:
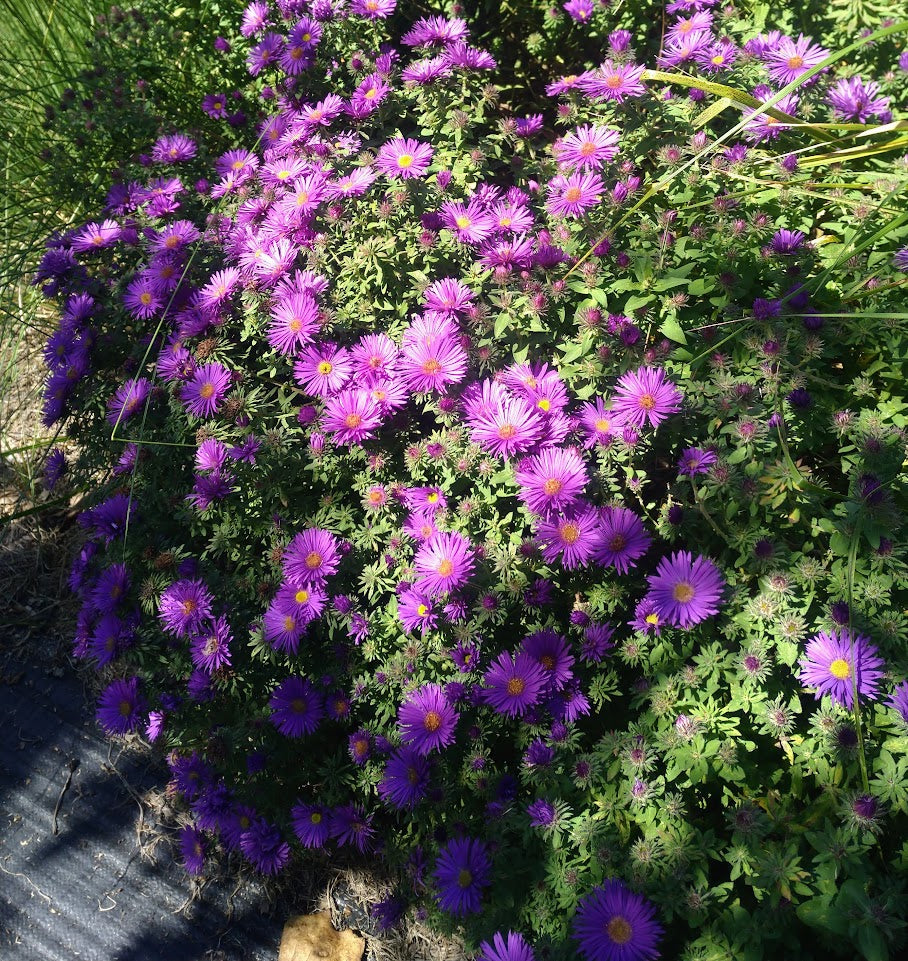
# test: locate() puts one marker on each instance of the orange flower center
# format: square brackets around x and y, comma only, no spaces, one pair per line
[516,686]
[795,62]
[313,560]
[552,486]
[207,391]
[570,533]
[446,568]
[647,401]
[432,721]
[573,194]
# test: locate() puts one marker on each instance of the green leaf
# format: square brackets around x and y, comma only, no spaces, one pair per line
[672,329]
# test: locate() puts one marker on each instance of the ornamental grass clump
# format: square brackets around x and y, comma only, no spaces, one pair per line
[479,495]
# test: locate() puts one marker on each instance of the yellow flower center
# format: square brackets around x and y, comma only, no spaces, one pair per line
[207,391]
[683,592]
[647,401]
[404,160]
[301,597]
[544,404]
[422,610]
[289,623]
[145,297]
[795,62]
[325,367]
[652,619]
[432,721]
[570,533]
[313,560]
[125,708]
[295,325]
[618,930]
[516,686]
[462,222]
[315,818]
[613,81]
[464,878]
[239,164]
[446,568]
[840,669]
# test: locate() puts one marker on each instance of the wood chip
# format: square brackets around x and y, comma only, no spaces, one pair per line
[311,937]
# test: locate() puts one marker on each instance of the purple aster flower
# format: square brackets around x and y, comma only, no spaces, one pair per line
[322,369]
[514,683]
[205,390]
[696,460]
[686,590]
[507,427]
[435,31]
[463,869]
[792,58]
[311,557]
[127,400]
[552,480]
[543,814]
[645,396]
[192,849]
[296,707]
[762,126]
[351,825]
[359,746]
[54,468]
[426,719]
[551,652]
[310,824]
[210,648]
[588,147]
[121,707]
[854,100]
[352,416]
[373,9]
[184,607]
[294,321]
[469,223]
[620,540]
[836,665]
[405,780]
[173,148]
[404,158]
[507,947]
[444,562]
[597,642]
[787,242]
[900,260]
[415,611]
[569,539]
[614,924]
[263,845]
[374,358]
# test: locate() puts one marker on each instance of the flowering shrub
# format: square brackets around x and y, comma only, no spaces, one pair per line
[516,500]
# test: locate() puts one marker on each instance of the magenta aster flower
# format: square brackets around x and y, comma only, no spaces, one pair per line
[552,480]
[511,426]
[184,607]
[762,126]
[837,665]
[435,30]
[374,357]
[215,105]
[462,871]
[294,321]
[443,563]
[311,557]
[514,683]
[322,369]
[686,590]
[404,158]
[432,364]
[589,146]
[645,396]
[792,58]
[96,236]
[373,9]
[352,416]
[574,194]
[173,149]
[614,924]
[296,707]
[612,81]
[426,720]
[203,393]
[470,223]
[142,298]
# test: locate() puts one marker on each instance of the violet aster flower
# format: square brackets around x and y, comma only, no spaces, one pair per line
[310,824]
[444,562]
[787,242]
[448,296]
[311,557]
[900,260]
[695,460]
[514,683]
[121,707]
[405,780]
[426,719]
[184,607]
[404,158]
[836,665]
[543,814]
[142,298]
[507,947]
[350,825]
[359,746]
[296,706]
[210,648]
[263,845]
[899,700]
[205,390]
[551,652]
[597,642]
[614,924]
[574,194]
[762,126]
[589,146]
[792,58]
[192,849]
[415,611]
[645,396]
[173,149]
[852,99]
[568,539]
[54,468]
[686,590]
[462,871]
[552,480]
[469,223]
[127,400]
[620,540]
